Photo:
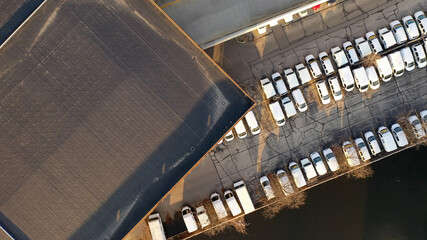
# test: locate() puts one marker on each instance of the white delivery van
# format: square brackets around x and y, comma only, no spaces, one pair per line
[289,107]
[156,227]
[252,123]
[346,78]
[268,88]
[232,203]
[240,129]
[299,100]
[361,79]
[243,196]
[297,175]
[384,69]
[374,81]
[203,217]
[279,83]
[386,139]
[277,113]
[218,206]
[339,57]
[303,73]
[408,58]
[396,63]
[386,38]
[291,78]
[189,220]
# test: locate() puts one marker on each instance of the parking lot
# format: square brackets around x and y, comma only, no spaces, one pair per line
[320,126]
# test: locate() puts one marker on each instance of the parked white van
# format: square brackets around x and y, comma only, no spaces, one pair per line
[421,19]
[277,113]
[303,73]
[202,216]
[289,107]
[218,206]
[308,168]
[279,83]
[313,66]
[386,139]
[240,129]
[396,63]
[326,63]
[189,220]
[350,154]
[284,182]
[232,203]
[266,186]
[339,57]
[299,100]
[351,53]
[374,42]
[408,58]
[374,81]
[361,79]
[335,88]
[362,47]
[347,79]
[384,69]
[291,78]
[156,227]
[297,175]
[387,38]
[398,32]
[410,27]
[362,149]
[420,55]
[268,88]
[252,123]
[322,90]
[244,198]
[229,136]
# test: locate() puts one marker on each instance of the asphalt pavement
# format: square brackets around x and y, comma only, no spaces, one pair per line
[319,127]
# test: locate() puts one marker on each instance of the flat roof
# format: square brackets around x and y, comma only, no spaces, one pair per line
[209,20]
[104,107]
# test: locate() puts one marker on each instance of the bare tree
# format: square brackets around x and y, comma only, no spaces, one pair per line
[239,224]
[361,173]
[369,60]
[293,201]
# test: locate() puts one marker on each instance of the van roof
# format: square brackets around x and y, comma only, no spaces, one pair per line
[383,65]
[396,60]
[346,75]
[251,119]
[276,110]
[360,75]
[156,227]
[240,127]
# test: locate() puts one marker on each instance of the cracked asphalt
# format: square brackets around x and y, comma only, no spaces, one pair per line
[320,126]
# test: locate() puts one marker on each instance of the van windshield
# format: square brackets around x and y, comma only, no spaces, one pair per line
[255,129]
[281,121]
[214,198]
[228,195]
[350,86]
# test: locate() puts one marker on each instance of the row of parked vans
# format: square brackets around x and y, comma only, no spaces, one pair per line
[235,202]
[360,149]
[390,140]
[240,129]
[363,78]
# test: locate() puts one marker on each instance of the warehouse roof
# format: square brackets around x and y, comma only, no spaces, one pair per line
[104,107]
